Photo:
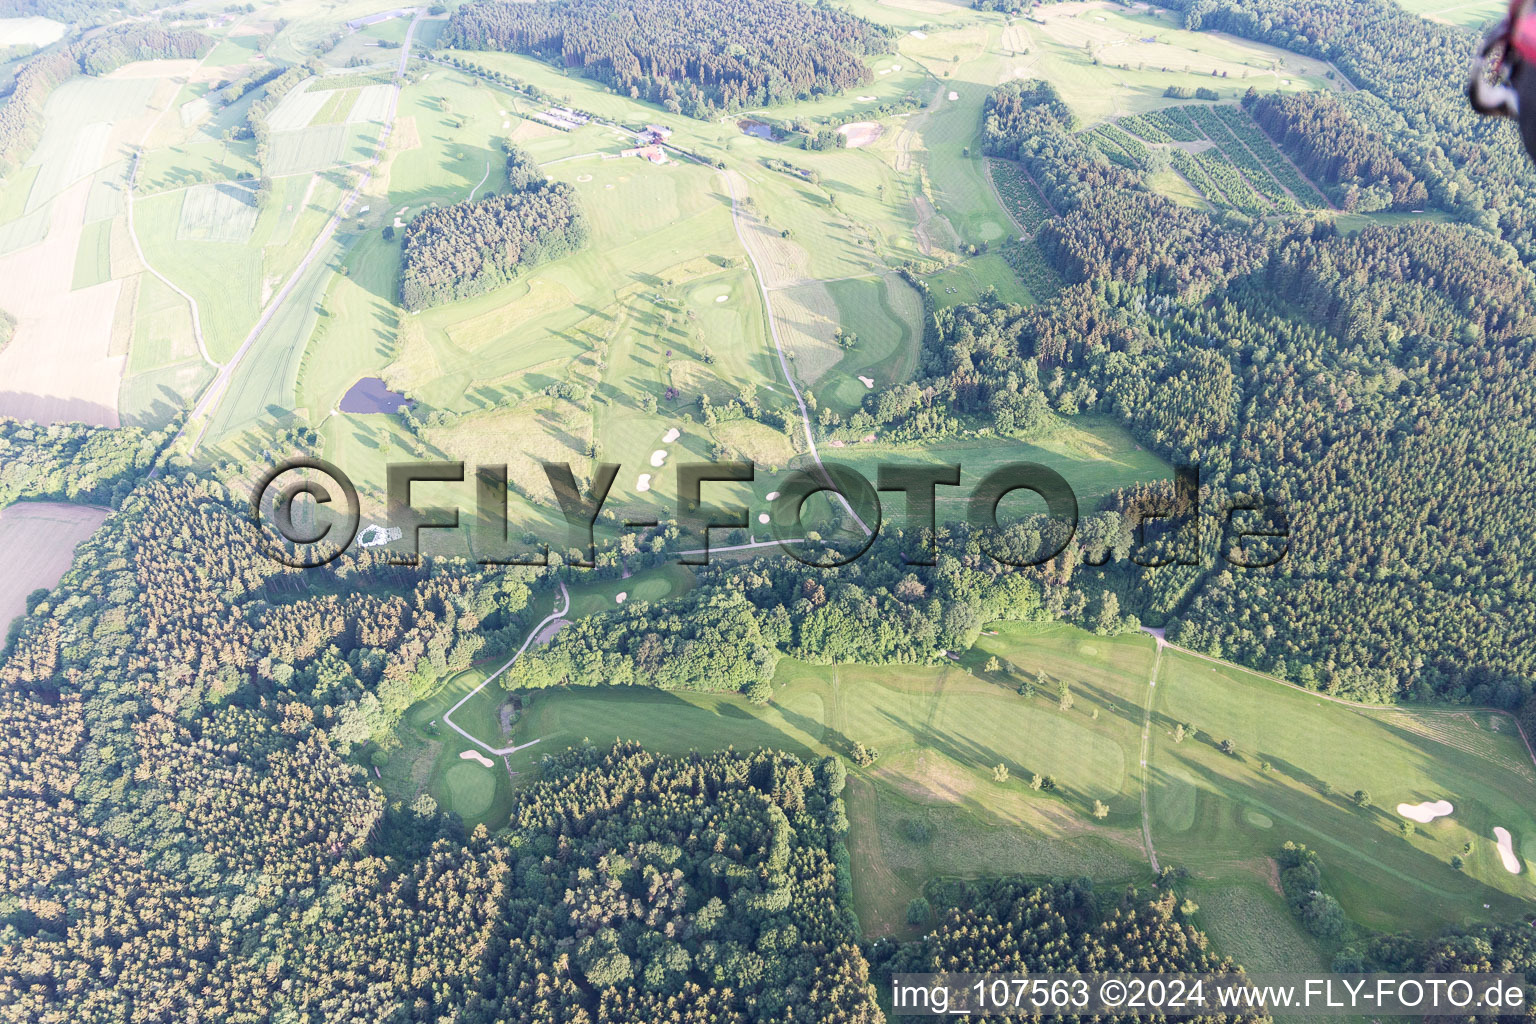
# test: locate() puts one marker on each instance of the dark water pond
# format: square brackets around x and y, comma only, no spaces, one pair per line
[370,395]
[758,129]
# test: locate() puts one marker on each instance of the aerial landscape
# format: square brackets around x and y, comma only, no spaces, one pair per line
[520,510]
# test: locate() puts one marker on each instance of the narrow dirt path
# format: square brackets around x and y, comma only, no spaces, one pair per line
[565,596]
[1146,751]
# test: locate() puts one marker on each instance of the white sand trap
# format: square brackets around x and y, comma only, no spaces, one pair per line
[885,71]
[895,67]
[1507,850]
[505,125]
[860,133]
[722,298]
[837,444]
[773,495]
[867,99]
[399,223]
[583,177]
[918,34]
[621,597]
[868,382]
[401,212]
[607,186]
[953,95]
[763,518]
[672,435]
[503,113]
[658,457]
[1427,811]
[475,755]
[644,483]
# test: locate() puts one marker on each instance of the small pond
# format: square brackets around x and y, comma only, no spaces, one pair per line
[370,395]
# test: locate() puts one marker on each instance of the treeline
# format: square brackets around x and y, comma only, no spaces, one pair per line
[1331,145]
[472,247]
[1021,926]
[729,632]
[274,88]
[21,114]
[695,57]
[85,12]
[1019,110]
[1479,948]
[73,461]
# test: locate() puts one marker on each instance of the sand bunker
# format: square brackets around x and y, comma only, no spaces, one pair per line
[620,597]
[658,457]
[953,95]
[583,177]
[505,125]
[644,483]
[722,298]
[1507,850]
[860,133]
[866,99]
[1426,812]
[672,435]
[918,34]
[773,495]
[868,382]
[475,755]
[763,518]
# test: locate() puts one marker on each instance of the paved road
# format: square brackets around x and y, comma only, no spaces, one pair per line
[216,388]
[565,596]
[773,331]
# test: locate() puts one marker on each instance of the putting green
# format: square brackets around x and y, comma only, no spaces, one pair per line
[469,789]
[1258,820]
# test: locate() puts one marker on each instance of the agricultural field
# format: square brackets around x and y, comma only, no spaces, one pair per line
[1469,13]
[1108,61]
[37,544]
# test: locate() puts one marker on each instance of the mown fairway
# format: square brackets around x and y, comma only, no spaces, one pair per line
[1222,814]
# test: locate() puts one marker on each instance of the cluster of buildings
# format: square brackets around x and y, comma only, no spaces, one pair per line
[564,118]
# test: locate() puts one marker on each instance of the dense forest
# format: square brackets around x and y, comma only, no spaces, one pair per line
[1021,926]
[21,113]
[695,57]
[730,631]
[1018,110]
[472,247]
[180,784]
